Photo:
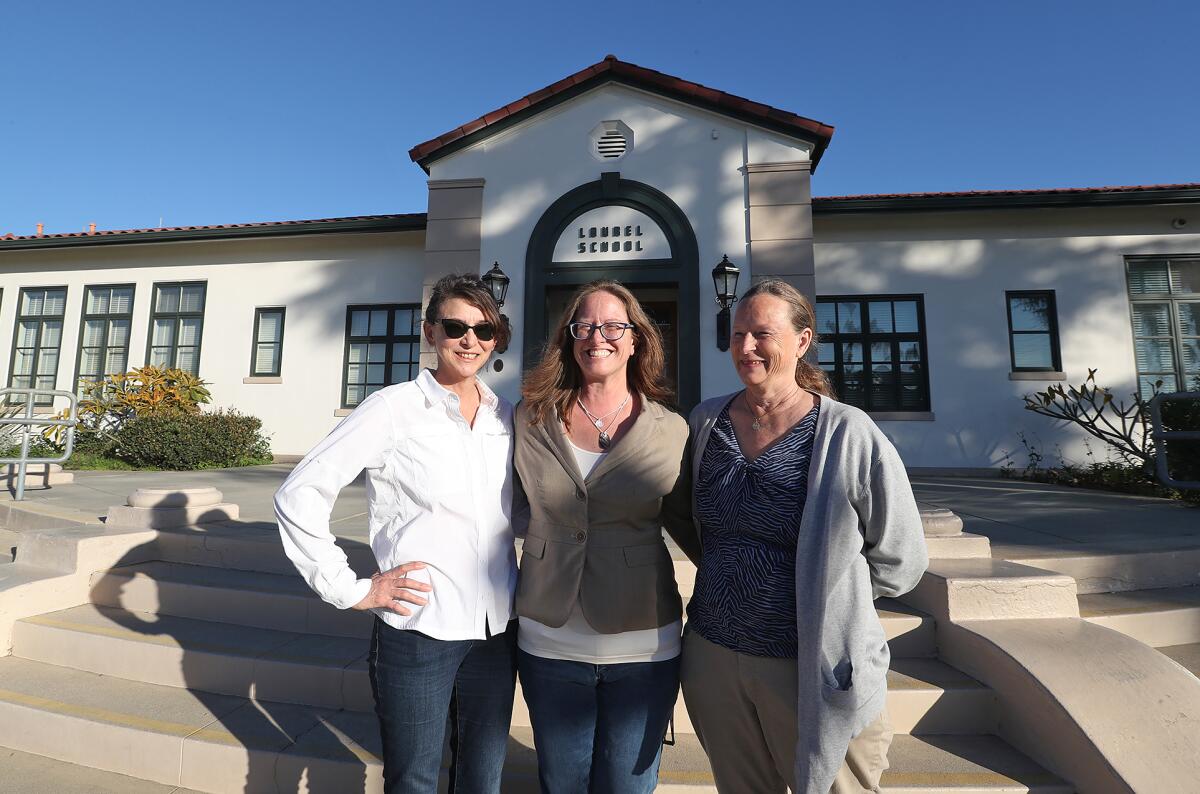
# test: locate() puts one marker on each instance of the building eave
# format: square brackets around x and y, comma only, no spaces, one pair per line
[1009,199]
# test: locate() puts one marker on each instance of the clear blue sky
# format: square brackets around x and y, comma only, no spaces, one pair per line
[222,112]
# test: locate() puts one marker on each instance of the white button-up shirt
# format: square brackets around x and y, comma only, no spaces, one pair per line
[439,491]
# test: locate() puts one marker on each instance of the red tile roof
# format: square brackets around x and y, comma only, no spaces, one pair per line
[1188,192]
[1055,191]
[613,70]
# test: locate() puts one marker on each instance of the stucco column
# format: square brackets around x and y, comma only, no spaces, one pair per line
[781,227]
[452,237]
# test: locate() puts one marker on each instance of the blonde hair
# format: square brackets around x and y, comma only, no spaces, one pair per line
[800,311]
[554,382]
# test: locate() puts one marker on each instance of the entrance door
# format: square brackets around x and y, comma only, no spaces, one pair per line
[661,304]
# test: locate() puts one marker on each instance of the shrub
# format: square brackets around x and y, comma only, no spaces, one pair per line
[176,440]
[108,404]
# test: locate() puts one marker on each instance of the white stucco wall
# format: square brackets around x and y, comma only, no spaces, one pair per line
[963,262]
[692,156]
[314,277]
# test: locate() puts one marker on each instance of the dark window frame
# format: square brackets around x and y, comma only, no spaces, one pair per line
[388,340]
[1173,300]
[1052,330]
[84,317]
[866,338]
[37,347]
[254,343]
[177,315]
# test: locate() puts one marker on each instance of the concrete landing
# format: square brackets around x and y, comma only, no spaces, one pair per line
[26,773]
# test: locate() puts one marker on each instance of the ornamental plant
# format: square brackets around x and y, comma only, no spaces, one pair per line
[1123,426]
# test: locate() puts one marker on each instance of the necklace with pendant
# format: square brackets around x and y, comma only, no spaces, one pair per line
[605,438]
[756,424]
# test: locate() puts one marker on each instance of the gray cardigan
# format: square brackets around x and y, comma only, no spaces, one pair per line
[860,538]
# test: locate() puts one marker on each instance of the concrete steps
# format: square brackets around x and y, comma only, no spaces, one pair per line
[26,773]
[1162,617]
[1187,655]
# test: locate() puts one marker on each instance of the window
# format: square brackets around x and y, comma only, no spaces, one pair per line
[37,339]
[1164,298]
[1033,331]
[267,355]
[873,349]
[383,346]
[176,324]
[104,333]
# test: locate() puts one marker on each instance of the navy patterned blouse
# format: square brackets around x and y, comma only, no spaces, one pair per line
[749,511]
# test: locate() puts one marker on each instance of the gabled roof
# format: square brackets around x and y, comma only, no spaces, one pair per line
[612,70]
[1119,195]
[229,231]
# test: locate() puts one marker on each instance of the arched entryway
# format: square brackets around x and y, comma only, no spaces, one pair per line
[628,231]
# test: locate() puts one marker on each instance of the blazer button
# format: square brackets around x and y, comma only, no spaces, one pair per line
[579,494]
[580,536]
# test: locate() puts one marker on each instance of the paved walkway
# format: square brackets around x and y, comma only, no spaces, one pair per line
[1023,520]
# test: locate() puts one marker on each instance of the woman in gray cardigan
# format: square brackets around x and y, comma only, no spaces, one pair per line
[805,516]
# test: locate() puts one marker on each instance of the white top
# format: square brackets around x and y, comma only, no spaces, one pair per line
[438,491]
[577,641]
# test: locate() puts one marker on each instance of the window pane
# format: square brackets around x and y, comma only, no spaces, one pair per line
[1185,276]
[27,334]
[21,383]
[189,331]
[852,353]
[911,387]
[192,299]
[376,353]
[883,387]
[97,300]
[1191,355]
[51,333]
[269,326]
[852,386]
[93,333]
[44,382]
[32,302]
[906,317]
[121,301]
[47,363]
[1154,356]
[359,323]
[881,317]
[825,353]
[849,318]
[264,361]
[1146,278]
[1030,312]
[374,373]
[89,363]
[881,352]
[167,301]
[379,323]
[358,353]
[910,351]
[118,333]
[414,353]
[1032,351]
[356,373]
[115,362]
[1151,319]
[355,394]
[160,356]
[187,359]
[372,389]
[826,318]
[404,322]
[1146,385]
[400,352]
[23,362]
[56,301]
[1189,319]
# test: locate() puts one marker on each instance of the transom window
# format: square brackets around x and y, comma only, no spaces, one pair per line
[383,346]
[38,339]
[176,326]
[873,349]
[1164,297]
[1033,331]
[266,358]
[104,333]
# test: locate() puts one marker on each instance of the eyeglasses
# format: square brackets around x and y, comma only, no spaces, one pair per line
[610,331]
[456,329]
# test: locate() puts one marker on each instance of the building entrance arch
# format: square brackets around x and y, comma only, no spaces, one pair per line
[659,265]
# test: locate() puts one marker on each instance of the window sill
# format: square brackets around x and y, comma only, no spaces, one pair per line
[1043,375]
[343,412]
[262,379]
[901,416]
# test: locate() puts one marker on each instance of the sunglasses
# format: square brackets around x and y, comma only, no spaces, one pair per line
[456,329]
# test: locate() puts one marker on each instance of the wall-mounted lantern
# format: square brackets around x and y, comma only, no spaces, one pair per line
[497,283]
[725,279]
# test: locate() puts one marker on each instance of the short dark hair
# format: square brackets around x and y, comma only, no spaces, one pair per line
[470,288]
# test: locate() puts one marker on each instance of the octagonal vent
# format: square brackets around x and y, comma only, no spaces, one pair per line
[611,140]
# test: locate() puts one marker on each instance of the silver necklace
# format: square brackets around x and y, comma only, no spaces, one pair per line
[757,423]
[605,438]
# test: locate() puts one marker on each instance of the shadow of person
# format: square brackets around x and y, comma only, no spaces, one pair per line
[240,663]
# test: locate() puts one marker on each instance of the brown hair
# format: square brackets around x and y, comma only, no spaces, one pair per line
[554,382]
[800,310]
[471,289]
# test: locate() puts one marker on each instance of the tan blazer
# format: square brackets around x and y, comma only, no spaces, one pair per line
[599,541]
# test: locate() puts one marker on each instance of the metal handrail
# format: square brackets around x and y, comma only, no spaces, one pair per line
[29,420]
[1161,436]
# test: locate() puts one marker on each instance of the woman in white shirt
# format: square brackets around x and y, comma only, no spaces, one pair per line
[437,453]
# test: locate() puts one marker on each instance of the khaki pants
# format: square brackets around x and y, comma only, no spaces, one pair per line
[744,711]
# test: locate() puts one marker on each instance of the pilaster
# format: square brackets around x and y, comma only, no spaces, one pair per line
[452,237]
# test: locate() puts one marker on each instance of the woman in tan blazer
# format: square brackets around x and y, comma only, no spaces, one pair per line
[602,462]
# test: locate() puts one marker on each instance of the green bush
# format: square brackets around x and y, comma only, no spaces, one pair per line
[38,448]
[180,441]
[1183,456]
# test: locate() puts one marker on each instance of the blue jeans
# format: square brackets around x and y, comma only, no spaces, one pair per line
[419,684]
[598,727]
